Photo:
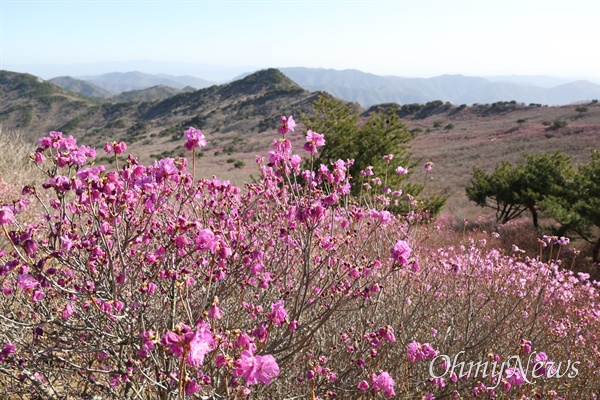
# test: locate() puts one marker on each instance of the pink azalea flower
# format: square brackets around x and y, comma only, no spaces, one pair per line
[67,312]
[428,166]
[418,352]
[120,147]
[38,295]
[295,161]
[26,281]
[526,346]
[200,343]
[192,387]
[384,382]
[8,349]
[401,252]
[256,369]
[206,240]
[278,313]
[541,364]
[245,342]
[401,171]
[109,147]
[7,216]
[39,157]
[313,140]
[363,386]
[387,333]
[195,138]
[514,376]
[287,125]
[215,312]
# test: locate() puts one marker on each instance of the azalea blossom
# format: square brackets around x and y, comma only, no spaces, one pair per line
[115,147]
[201,343]
[384,382]
[26,281]
[514,376]
[256,369]
[195,138]
[195,344]
[313,140]
[418,352]
[278,313]
[7,216]
[401,252]
[287,125]
[387,333]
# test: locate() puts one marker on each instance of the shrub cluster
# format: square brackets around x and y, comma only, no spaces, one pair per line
[141,282]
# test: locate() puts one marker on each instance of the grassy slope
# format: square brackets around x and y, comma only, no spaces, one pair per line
[240,121]
[483,141]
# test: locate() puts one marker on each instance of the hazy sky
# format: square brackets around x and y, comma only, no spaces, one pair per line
[395,37]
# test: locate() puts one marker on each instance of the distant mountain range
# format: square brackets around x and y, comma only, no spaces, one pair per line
[114,83]
[155,117]
[368,89]
[362,88]
[240,119]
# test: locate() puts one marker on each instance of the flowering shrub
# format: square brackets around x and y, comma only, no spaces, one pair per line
[141,282]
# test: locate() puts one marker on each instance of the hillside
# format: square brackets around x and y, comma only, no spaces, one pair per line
[458,138]
[34,106]
[369,89]
[238,117]
[119,82]
[159,92]
[240,120]
[81,87]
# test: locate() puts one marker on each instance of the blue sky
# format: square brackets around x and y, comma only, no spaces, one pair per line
[404,38]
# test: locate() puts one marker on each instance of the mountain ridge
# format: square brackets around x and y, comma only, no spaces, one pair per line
[369,89]
[240,120]
[119,82]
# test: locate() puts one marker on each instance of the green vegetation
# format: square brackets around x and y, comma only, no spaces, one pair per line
[581,111]
[547,183]
[558,124]
[239,164]
[383,133]
[576,204]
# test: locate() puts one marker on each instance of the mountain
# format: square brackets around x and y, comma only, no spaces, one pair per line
[80,86]
[118,82]
[368,89]
[35,106]
[239,117]
[571,92]
[240,120]
[159,92]
[213,73]
[531,80]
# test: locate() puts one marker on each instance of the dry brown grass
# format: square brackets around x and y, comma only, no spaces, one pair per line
[14,156]
[484,141]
